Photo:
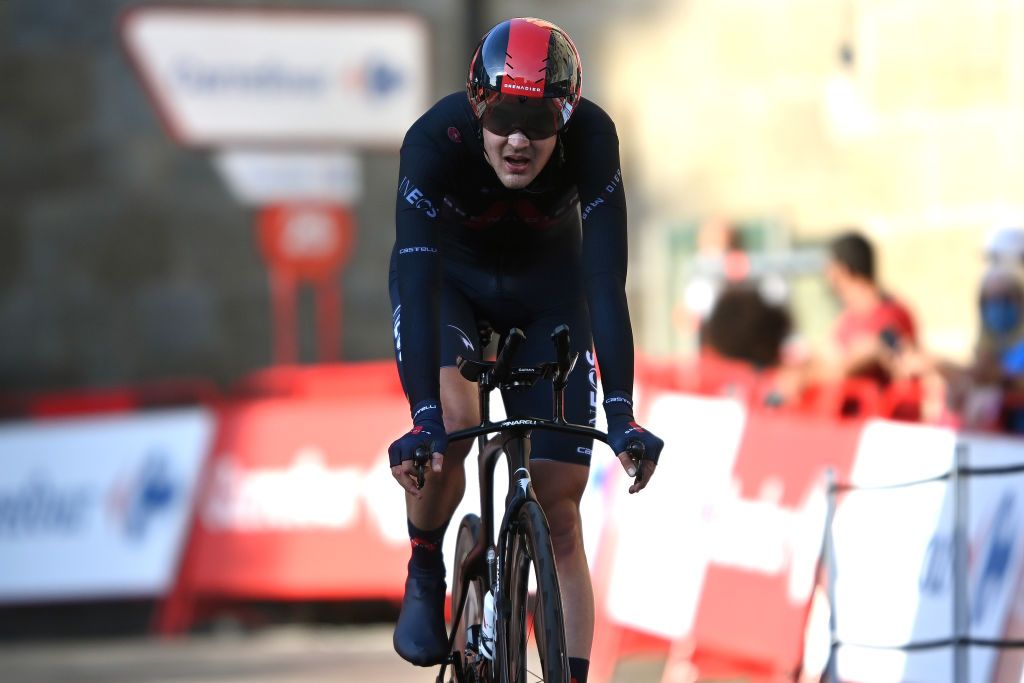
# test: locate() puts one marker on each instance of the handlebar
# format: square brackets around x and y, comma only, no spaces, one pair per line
[501,374]
[513,341]
[564,359]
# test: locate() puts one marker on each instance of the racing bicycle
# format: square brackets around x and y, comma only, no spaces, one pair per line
[499,633]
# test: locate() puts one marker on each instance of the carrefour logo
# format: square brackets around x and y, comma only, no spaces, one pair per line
[380,78]
[209,78]
[39,505]
[44,505]
[373,77]
[143,495]
[991,553]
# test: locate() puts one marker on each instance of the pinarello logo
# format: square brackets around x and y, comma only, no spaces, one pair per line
[454,135]
[416,430]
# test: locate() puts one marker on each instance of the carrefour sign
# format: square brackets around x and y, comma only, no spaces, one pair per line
[224,76]
[97,507]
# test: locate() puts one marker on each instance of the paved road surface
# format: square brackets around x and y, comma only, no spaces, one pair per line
[353,654]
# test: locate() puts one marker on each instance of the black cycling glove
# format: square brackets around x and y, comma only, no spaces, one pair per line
[427,430]
[622,428]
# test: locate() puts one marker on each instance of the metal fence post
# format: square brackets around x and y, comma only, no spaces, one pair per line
[829,562]
[960,610]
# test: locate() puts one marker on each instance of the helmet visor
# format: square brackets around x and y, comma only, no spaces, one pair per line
[536,118]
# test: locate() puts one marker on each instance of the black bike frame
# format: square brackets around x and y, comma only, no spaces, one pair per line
[482,559]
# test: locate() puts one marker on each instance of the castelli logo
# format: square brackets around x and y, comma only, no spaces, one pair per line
[454,135]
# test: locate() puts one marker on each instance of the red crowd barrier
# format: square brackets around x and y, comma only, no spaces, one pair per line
[298,501]
[714,375]
[751,608]
[96,401]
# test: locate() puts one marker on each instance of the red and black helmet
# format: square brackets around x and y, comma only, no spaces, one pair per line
[525,75]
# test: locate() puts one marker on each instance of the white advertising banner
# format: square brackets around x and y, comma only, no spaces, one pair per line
[97,507]
[656,586]
[258,178]
[224,76]
[894,553]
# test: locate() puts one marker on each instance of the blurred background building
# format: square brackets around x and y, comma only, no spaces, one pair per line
[752,132]
[125,257]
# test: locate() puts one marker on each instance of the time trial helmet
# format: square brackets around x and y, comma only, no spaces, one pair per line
[525,75]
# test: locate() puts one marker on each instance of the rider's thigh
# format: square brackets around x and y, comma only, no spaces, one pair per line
[461,408]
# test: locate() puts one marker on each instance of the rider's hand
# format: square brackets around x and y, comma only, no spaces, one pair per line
[623,429]
[427,430]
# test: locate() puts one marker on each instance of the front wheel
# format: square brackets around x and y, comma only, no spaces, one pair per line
[469,579]
[532,641]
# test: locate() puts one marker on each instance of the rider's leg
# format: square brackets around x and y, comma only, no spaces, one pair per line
[559,487]
[559,467]
[420,636]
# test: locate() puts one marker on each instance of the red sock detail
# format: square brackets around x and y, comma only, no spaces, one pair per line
[420,543]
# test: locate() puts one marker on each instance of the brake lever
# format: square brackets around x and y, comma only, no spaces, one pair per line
[636,450]
[420,460]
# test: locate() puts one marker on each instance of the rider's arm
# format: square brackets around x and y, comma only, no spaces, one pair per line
[418,262]
[603,213]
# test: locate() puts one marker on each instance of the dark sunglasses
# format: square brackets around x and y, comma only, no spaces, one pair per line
[537,119]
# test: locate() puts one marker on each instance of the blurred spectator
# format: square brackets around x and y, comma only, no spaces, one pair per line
[719,260]
[873,328]
[744,326]
[750,324]
[1005,245]
[988,393]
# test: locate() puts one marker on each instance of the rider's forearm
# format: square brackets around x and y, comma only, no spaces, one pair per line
[418,327]
[605,256]
[418,263]
[613,334]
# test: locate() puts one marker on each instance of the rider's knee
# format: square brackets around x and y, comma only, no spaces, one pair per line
[566,529]
[458,417]
[454,420]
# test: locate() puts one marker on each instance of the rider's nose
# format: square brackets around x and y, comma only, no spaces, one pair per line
[518,139]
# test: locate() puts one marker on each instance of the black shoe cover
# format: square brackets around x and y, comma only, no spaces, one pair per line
[420,634]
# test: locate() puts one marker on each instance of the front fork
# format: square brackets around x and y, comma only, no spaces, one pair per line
[516,446]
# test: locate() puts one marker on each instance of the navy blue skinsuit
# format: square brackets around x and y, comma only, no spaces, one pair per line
[467,249]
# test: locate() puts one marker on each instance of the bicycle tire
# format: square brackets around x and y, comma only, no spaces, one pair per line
[465,541]
[529,548]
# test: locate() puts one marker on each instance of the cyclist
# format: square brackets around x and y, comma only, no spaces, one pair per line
[510,209]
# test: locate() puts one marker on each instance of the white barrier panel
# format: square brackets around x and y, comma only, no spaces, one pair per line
[97,507]
[655,586]
[894,553]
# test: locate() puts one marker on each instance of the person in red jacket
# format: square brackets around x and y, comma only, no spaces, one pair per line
[873,327]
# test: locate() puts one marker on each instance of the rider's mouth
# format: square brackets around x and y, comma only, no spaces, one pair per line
[517,163]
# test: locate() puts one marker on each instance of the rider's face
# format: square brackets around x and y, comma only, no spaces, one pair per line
[516,159]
